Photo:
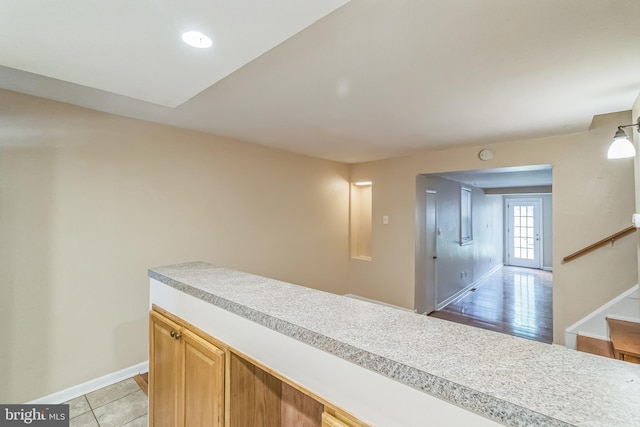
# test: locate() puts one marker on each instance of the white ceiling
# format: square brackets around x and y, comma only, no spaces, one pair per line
[372,79]
[134,48]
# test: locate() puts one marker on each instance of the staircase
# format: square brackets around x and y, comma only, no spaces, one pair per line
[595,346]
[611,331]
[625,339]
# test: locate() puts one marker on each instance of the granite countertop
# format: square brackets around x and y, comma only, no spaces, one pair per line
[512,380]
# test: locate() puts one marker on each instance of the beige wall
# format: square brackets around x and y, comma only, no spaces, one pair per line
[592,198]
[90,201]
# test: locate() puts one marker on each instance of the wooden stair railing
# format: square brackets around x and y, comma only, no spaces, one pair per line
[611,239]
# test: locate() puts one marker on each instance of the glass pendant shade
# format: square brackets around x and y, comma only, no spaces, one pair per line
[621,147]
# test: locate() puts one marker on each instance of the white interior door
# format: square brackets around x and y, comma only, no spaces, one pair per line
[524,232]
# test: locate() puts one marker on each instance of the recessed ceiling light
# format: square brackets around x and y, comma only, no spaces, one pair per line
[196,39]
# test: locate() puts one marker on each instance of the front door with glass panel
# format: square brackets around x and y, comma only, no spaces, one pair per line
[524,227]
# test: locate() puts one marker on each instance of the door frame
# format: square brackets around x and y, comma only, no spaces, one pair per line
[431,252]
[424,300]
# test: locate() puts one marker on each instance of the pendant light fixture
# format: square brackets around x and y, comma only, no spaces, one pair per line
[622,147]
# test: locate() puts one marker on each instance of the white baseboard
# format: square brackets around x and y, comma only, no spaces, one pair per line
[571,332]
[458,295]
[92,385]
[628,292]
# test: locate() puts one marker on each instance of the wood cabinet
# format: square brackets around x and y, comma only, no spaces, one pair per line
[255,395]
[259,399]
[333,418]
[331,421]
[198,381]
[186,377]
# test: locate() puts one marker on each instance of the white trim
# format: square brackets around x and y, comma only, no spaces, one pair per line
[590,335]
[460,294]
[575,326]
[92,385]
[571,332]
[624,318]
[547,267]
[571,341]
[374,301]
[466,204]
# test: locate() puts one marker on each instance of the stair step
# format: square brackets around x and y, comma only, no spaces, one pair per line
[625,339]
[594,346]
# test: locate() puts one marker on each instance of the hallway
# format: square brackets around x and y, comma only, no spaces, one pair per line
[514,300]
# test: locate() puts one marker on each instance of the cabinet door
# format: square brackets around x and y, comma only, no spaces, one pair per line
[203,382]
[165,372]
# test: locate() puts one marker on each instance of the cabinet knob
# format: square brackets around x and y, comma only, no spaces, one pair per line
[172,334]
[177,335]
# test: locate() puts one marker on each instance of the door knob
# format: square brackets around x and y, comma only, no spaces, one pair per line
[435,257]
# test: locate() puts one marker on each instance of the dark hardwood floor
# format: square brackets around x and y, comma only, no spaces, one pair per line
[515,301]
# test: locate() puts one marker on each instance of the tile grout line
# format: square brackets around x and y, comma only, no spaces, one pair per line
[120,398]
[94,417]
[92,409]
[114,400]
[128,422]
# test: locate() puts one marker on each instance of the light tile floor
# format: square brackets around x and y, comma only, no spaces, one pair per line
[122,404]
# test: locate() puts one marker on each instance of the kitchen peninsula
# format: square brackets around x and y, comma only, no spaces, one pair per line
[382,366]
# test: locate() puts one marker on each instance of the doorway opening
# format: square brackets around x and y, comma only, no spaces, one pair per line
[497,274]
